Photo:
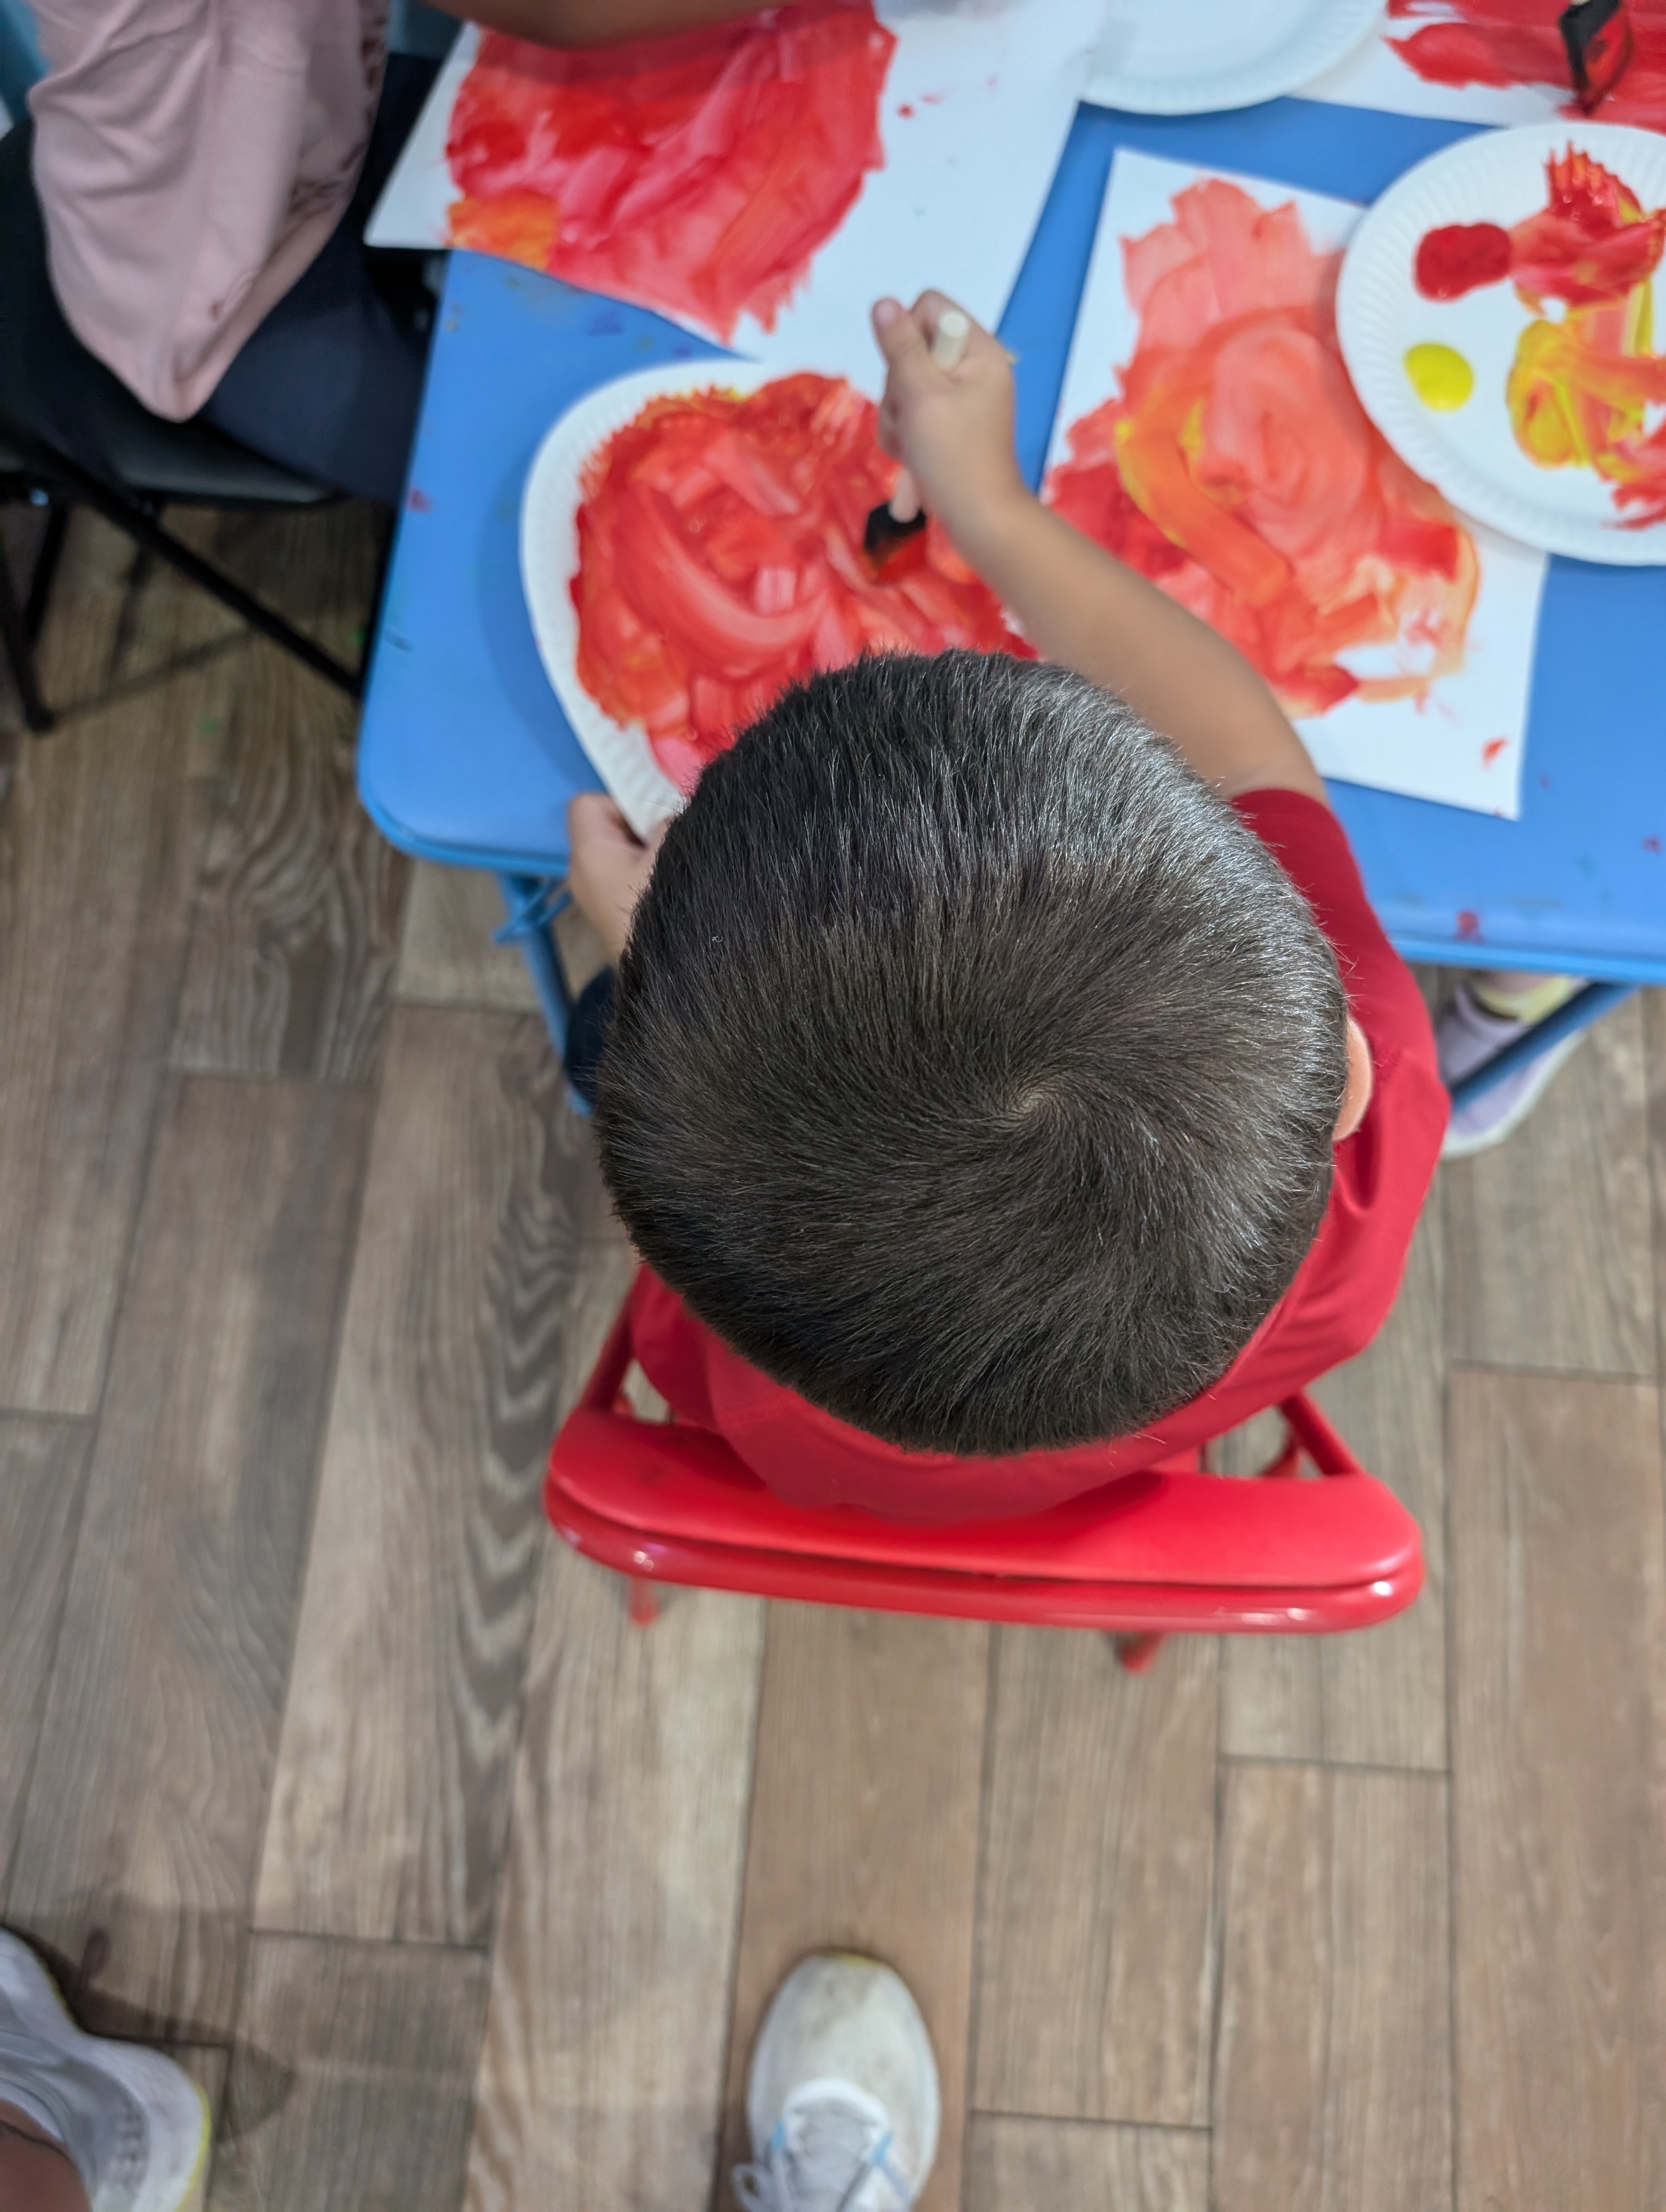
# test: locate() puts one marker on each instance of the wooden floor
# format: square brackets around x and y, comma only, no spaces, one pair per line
[323,1762]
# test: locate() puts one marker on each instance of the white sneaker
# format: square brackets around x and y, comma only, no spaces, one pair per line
[1468,1035]
[842,2101]
[135,2127]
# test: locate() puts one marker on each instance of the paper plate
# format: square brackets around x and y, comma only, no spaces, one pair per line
[550,560]
[1197,57]
[1471,453]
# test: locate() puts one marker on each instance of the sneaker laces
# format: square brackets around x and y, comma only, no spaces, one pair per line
[821,2155]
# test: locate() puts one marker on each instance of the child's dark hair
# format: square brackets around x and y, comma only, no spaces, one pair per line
[974,1068]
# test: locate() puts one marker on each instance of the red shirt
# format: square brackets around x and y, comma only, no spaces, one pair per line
[1339,1299]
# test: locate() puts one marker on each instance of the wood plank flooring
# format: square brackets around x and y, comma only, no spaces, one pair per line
[322,1763]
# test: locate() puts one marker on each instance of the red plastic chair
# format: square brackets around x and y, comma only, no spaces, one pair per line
[1168,1549]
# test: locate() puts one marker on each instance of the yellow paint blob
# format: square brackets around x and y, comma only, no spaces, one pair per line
[1441,378]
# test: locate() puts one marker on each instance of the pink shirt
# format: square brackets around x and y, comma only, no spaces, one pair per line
[191,158]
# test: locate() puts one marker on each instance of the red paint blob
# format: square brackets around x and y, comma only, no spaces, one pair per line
[1458,257]
[721,556]
[1468,923]
[1237,471]
[1491,751]
[698,173]
[419,501]
[1507,42]
[1651,844]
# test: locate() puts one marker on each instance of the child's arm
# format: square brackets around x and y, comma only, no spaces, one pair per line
[1078,605]
[596,23]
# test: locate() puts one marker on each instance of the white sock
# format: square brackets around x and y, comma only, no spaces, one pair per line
[1531,1004]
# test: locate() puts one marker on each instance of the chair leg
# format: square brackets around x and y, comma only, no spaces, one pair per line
[20,652]
[1137,1652]
[142,526]
[644,1603]
[46,565]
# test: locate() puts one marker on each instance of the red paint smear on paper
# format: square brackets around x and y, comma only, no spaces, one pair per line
[1580,387]
[419,501]
[1491,751]
[1509,42]
[698,173]
[1468,922]
[1238,472]
[721,556]
[1651,844]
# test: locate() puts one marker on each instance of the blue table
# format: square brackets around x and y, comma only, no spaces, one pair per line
[466,757]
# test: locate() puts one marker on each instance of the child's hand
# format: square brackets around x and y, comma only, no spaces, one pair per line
[951,429]
[610,867]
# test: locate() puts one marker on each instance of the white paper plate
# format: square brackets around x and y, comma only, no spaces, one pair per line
[1471,453]
[550,560]
[1197,57]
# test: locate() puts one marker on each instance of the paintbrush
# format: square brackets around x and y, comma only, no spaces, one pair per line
[1597,34]
[891,524]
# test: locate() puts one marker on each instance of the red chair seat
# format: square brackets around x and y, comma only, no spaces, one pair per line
[1162,1549]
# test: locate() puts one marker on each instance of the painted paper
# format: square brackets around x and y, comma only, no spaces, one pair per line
[1492,61]
[1209,436]
[760,181]
[719,556]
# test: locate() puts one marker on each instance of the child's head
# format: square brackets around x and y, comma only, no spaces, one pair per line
[975,1069]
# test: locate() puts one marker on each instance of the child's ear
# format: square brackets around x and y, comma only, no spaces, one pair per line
[1356,1090]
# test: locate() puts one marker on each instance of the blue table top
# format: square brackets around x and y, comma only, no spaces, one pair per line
[465,755]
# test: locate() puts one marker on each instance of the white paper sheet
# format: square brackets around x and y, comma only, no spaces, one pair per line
[976,108]
[1446,747]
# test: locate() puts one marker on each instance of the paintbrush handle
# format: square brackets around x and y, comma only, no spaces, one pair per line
[949,342]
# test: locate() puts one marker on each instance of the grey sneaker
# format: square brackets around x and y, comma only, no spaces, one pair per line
[843,2102]
[1468,1035]
[136,2127]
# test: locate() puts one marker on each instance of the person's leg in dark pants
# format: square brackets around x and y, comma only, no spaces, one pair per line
[587,1034]
[330,381]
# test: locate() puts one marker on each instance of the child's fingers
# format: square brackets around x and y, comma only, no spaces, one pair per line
[595,820]
[901,339]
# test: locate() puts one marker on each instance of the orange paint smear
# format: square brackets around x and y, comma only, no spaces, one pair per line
[697,173]
[1579,388]
[1237,471]
[721,556]
[1510,42]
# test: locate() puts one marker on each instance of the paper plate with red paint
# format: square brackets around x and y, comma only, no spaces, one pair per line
[691,540]
[1498,313]
[1197,57]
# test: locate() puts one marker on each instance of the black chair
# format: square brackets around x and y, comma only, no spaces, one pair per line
[71,434]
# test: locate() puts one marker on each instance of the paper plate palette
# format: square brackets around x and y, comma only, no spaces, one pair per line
[1435,372]
[550,559]
[1197,57]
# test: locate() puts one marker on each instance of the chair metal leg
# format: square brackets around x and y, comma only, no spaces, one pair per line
[20,652]
[533,902]
[142,526]
[644,1603]
[1137,1652]
[45,564]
